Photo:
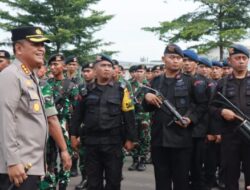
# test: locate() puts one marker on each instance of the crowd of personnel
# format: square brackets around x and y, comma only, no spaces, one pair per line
[63,117]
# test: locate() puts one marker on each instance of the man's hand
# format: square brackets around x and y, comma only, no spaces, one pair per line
[74,143]
[66,159]
[218,139]
[153,99]
[211,138]
[17,174]
[187,122]
[228,115]
[129,145]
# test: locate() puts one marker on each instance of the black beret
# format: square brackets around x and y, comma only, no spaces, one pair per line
[71,58]
[237,48]
[103,57]
[88,66]
[4,54]
[132,68]
[156,67]
[56,57]
[191,55]
[115,62]
[30,33]
[205,61]
[173,49]
[149,69]
[141,67]
[217,63]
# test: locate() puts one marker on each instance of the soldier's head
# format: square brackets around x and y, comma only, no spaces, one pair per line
[4,59]
[141,72]
[132,71]
[56,63]
[88,72]
[28,45]
[72,64]
[103,67]
[190,62]
[238,57]
[216,71]
[227,69]
[117,69]
[204,67]
[172,58]
[149,74]
[156,70]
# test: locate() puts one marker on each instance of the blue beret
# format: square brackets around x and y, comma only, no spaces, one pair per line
[217,63]
[103,57]
[71,58]
[237,48]
[173,49]
[4,54]
[56,57]
[191,55]
[205,61]
[225,63]
[31,33]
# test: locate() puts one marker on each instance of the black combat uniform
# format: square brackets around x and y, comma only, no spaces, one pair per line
[107,125]
[171,144]
[234,149]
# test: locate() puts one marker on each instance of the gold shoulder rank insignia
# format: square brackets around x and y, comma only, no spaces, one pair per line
[25,69]
[127,103]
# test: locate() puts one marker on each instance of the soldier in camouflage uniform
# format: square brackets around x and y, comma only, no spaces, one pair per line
[72,74]
[143,122]
[65,95]
[49,180]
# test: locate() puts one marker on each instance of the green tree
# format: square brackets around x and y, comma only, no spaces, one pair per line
[216,23]
[70,24]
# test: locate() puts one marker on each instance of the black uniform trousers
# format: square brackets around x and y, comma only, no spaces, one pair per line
[30,183]
[171,167]
[234,152]
[197,161]
[104,160]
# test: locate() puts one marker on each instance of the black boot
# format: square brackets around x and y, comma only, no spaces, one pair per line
[142,166]
[62,186]
[82,185]
[74,171]
[134,164]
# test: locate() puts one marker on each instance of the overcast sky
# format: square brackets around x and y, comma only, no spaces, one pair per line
[130,16]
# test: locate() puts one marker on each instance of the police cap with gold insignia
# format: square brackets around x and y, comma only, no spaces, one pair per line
[88,66]
[71,58]
[30,33]
[4,54]
[238,48]
[103,57]
[56,57]
[173,49]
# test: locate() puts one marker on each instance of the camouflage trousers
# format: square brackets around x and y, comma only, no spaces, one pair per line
[144,138]
[55,173]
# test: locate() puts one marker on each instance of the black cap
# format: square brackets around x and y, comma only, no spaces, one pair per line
[88,66]
[103,57]
[132,68]
[237,48]
[4,54]
[71,58]
[30,33]
[56,57]
[173,49]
